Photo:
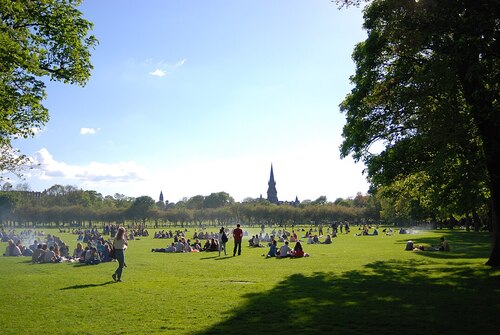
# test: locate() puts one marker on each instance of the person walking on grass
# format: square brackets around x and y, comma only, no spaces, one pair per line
[238,236]
[222,241]
[119,244]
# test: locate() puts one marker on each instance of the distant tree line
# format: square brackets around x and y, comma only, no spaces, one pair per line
[64,206]
[70,206]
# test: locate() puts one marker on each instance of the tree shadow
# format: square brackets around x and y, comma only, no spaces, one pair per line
[412,297]
[76,287]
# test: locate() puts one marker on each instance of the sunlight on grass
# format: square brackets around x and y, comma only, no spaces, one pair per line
[204,294]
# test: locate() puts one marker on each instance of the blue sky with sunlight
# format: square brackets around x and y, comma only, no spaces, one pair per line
[195,97]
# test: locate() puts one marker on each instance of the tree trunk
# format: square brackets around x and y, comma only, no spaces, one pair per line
[494,259]
[476,221]
[490,131]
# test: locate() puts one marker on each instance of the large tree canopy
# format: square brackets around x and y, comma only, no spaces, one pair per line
[38,39]
[427,87]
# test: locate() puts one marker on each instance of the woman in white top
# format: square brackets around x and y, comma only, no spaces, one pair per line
[119,244]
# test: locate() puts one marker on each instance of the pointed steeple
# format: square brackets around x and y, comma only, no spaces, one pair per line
[272,194]
[161,196]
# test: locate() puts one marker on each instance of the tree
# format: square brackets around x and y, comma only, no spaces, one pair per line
[141,208]
[195,202]
[427,87]
[320,201]
[219,199]
[37,39]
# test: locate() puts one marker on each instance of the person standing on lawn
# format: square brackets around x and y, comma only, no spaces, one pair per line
[119,244]
[222,241]
[238,236]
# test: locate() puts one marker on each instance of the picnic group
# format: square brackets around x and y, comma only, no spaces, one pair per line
[91,248]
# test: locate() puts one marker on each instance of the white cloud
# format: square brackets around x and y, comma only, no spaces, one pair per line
[92,174]
[89,131]
[180,63]
[158,73]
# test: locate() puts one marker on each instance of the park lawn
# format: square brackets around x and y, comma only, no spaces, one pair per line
[357,285]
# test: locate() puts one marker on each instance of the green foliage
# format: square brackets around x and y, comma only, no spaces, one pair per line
[67,204]
[219,199]
[142,208]
[427,88]
[37,39]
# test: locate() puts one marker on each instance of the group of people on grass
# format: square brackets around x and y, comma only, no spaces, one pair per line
[216,242]
[51,249]
[365,231]
[182,244]
[442,246]
[285,251]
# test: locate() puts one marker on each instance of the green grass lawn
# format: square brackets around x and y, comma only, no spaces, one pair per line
[357,285]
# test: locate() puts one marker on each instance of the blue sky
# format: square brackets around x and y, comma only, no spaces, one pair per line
[195,97]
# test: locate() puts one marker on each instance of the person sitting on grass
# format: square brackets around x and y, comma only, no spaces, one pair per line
[298,251]
[409,246]
[64,250]
[328,240]
[256,242]
[48,256]
[12,249]
[57,253]
[206,246]
[78,252]
[187,246]
[197,245]
[444,245]
[250,241]
[273,249]
[284,251]
[93,257]
[179,247]
[37,254]
[21,247]
[214,245]
[105,253]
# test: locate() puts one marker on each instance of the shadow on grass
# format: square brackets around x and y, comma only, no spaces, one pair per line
[463,245]
[76,287]
[412,297]
[220,258]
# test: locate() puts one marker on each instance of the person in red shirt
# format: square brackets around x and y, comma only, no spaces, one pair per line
[238,236]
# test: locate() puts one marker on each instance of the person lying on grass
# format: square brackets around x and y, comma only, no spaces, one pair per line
[170,248]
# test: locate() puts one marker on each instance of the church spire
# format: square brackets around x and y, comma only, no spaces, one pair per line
[161,196]
[272,194]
